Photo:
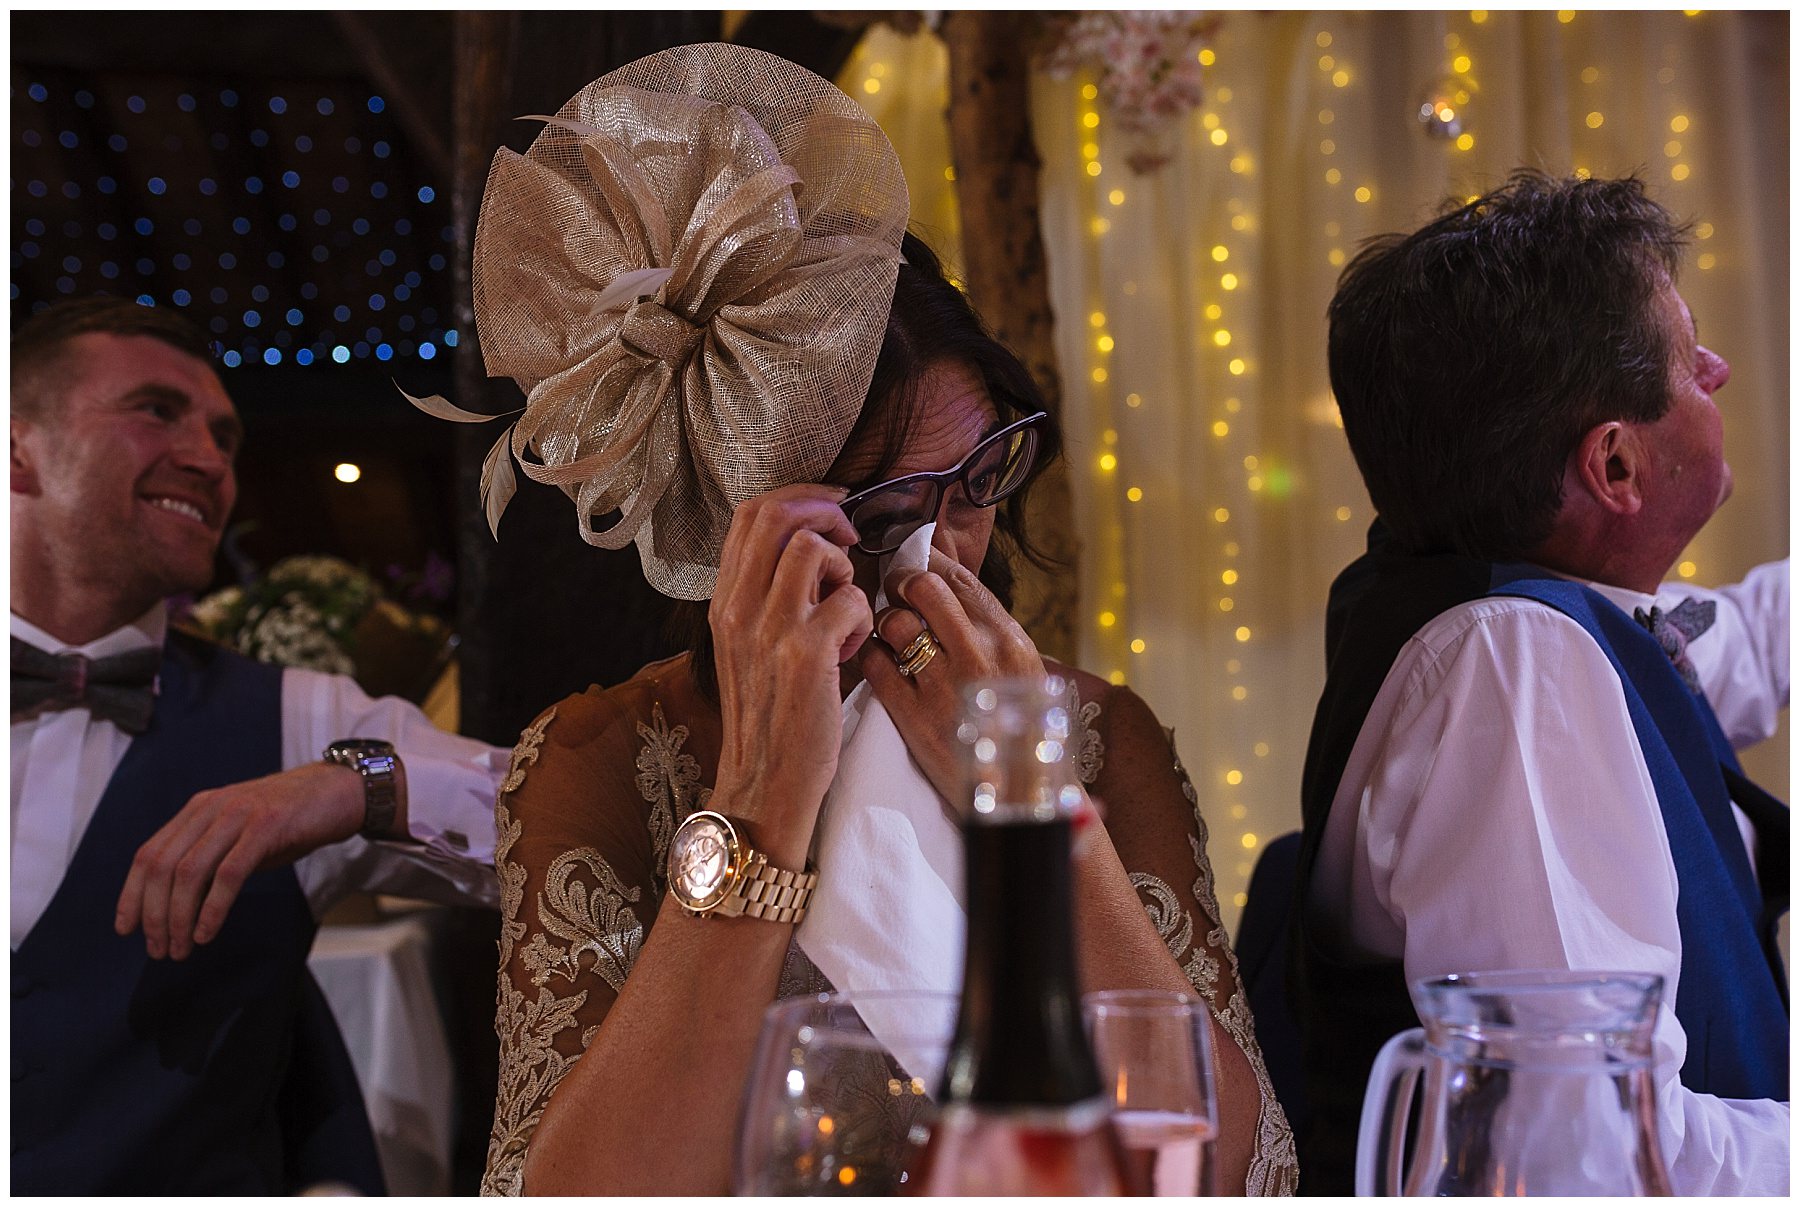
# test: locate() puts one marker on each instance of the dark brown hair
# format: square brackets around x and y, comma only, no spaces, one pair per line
[931,324]
[38,344]
[1469,357]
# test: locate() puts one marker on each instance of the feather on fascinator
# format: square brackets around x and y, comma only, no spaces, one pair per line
[689,273]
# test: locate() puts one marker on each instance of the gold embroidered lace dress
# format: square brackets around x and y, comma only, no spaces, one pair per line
[596,788]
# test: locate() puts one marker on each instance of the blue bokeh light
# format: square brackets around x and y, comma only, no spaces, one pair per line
[340,354]
[272,356]
[232,359]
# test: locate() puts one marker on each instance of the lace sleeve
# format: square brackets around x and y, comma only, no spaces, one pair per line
[578,890]
[1154,820]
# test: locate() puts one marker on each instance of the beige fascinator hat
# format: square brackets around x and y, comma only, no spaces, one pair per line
[689,274]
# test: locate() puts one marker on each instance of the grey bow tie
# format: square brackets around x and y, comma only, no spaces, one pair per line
[1673,630]
[120,688]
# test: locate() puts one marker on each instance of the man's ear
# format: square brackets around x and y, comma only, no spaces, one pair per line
[24,474]
[1607,466]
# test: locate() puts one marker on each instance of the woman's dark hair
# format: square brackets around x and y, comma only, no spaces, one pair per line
[1469,357]
[931,324]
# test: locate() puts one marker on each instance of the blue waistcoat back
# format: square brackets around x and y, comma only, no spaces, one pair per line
[140,1076]
[1728,1000]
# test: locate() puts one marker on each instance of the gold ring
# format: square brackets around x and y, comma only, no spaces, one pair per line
[918,654]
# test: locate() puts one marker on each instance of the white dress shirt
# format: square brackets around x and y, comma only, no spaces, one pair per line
[1497,812]
[62,762]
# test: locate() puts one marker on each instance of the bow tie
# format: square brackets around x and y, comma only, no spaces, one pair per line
[1673,630]
[120,689]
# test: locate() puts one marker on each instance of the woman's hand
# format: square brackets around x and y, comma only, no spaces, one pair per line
[976,639]
[784,615]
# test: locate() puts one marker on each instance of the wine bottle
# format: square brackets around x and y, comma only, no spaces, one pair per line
[1021,1107]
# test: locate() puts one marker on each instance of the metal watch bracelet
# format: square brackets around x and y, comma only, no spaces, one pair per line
[378,765]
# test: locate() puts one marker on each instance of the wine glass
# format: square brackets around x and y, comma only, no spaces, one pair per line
[1154,1052]
[839,1094]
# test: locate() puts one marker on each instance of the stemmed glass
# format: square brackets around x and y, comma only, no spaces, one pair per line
[839,1094]
[1154,1052]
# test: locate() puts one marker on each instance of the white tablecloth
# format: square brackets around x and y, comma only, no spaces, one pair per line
[378,980]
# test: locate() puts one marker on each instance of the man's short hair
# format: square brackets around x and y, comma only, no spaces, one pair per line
[1469,357]
[38,344]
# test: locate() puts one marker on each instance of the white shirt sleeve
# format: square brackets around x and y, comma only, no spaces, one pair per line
[1742,660]
[451,784]
[1504,818]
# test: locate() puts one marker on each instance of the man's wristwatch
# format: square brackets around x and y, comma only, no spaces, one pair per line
[377,763]
[712,870]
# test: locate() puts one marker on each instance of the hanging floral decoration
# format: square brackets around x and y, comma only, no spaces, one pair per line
[1146,66]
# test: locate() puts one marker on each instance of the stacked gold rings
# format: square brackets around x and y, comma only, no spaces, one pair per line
[917,655]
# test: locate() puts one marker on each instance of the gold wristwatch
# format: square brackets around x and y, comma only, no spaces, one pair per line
[712,870]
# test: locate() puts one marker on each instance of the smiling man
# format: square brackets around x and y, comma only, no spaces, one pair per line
[1523,756]
[163,784]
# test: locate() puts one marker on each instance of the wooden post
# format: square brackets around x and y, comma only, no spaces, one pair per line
[996,164]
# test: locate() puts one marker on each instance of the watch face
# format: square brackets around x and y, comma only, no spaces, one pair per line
[700,861]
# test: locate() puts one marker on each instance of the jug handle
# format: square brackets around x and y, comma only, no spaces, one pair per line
[1389,1097]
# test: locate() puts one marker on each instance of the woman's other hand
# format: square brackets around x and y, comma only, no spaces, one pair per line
[784,615]
[976,638]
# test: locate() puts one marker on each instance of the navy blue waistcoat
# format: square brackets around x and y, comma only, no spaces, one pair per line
[1728,1000]
[138,1076]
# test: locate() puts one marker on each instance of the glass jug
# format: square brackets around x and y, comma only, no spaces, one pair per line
[1534,1083]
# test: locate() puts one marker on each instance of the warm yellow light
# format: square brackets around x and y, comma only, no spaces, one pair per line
[1093,168]
[1110,436]
[1223,96]
[1220,515]
[1687,569]
[1478,16]
[1242,634]
[1228,577]
[1240,899]
[1108,620]
[1325,117]
[1090,119]
[1326,62]
[1332,175]
[827,1125]
[1218,138]
[1582,172]
[1678,123]
[347,472]
[1233,406]
[1097,318]
[950,175]
[1254,482]
[1090,150]
[1240,164]
[1135,495]
[1222,338]
[1565,15]
[1220,253]
[1335,257]
[1221,429]
[1104,343]
[1208,58]
[1108,462]
[1249,841]
[1251,462]
[1099,376]
[1595,120]
[1099,226]
[1703,231]
[1236,368]
[1363,193]
[1240,222]
[871,85]
[1115,678]
[1210,121]
[1134,400]
[1225,604]
[1089,92]
[1461,63]
[847,1175]
[1679,172]
[1324,40]
[1672,148]
[1137,645]
[1213,310]
[1707,261]
[1589,74]
[1239,693]
[1261,750]
[1228,282]
[1340,77]
[1326,146]
[1234,778]
[1117,196]
[1465,141]
[1690,12]
[1343,513]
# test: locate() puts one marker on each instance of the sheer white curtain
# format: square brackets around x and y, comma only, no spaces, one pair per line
[1215,496]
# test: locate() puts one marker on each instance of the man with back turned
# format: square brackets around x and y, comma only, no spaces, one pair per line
[1523,756]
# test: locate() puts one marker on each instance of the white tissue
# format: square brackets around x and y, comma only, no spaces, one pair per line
[888,911]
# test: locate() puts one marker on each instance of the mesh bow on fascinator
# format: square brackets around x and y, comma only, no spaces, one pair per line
[689,274]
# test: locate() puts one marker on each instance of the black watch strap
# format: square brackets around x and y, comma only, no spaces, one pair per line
[378,765]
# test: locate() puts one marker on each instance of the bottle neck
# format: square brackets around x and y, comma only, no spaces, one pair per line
[1019,1034]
